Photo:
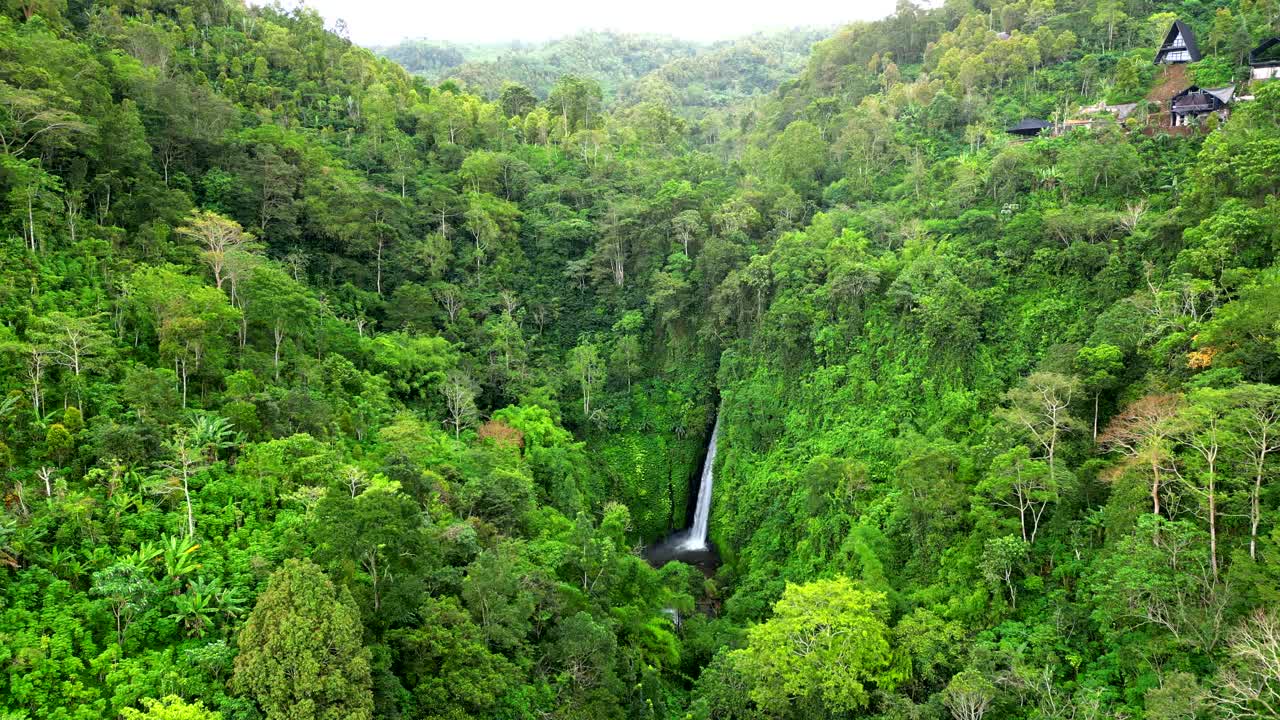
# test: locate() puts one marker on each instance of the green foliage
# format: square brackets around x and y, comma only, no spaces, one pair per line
[825,644]
[284,327]
[170,708]
[301,654]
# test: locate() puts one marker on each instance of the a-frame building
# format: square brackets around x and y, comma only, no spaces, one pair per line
[1179,45]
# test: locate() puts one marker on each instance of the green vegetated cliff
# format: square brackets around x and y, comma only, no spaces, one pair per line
[330,393]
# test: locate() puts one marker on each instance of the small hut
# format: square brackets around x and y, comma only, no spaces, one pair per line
[1264,60]
[1179,45]
[1029,127]
[1194,103]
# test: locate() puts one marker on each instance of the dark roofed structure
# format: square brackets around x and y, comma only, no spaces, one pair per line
[1267,54]
[1195,102]
[1179,45]
[1029,127]
[1265,59]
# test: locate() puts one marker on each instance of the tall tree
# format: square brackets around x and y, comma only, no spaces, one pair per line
[460,400]
[191,321]
[1099,367]
[1041,408]
[301,655]
[1202,426]
[1143,432]
[1255,426]
[1022,485]
[219,237]
[170,707]
[588,369]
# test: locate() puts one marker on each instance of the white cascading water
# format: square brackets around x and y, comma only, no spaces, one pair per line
[697,537]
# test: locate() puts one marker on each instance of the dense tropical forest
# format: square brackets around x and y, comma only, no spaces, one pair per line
[331,391]
[629,68]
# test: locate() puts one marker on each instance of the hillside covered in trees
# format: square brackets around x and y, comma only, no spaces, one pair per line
[327,391]
[685,76]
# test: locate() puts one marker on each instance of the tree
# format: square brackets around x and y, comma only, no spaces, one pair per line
[1098,368]
[1142,432]
[798,156]
[75,343]
[413,364]
[280,305]
[1002,559]
[1109,14]
[378,229]
[32,197]
[126,588]
[825,644]
[1023,485]
[375,530]
[578,101]
[301,656]
[450,299]
[626,357]
[220,237]
[1249,689]
[516,100]
[1179,697]
[688,226]
[968,695]
[491,221]
[187,459]
[1202,426]
[1255,434]
[460,400]
[1109,165]
[932,644]
[588,368]
[1041,408]
[497,592]
[481,170]
[1157,581]
[192,321]
[448,668]
[1239,333]
[35,359]
[171,707]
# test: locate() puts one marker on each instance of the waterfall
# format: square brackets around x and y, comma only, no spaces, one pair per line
[696,539]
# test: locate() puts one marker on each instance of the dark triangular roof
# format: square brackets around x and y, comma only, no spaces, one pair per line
[1188,37]
[1029,126]
[1267,54]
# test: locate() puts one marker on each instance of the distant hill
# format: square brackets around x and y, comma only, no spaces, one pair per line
[628,67]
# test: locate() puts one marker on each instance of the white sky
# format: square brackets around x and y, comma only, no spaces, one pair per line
[385,22]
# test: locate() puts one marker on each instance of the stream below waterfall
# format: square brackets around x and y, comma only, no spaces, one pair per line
[690,544]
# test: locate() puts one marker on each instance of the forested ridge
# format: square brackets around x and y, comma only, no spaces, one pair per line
[681,74]
[328,392]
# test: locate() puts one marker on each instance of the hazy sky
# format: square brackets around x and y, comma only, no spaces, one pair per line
[383,22]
